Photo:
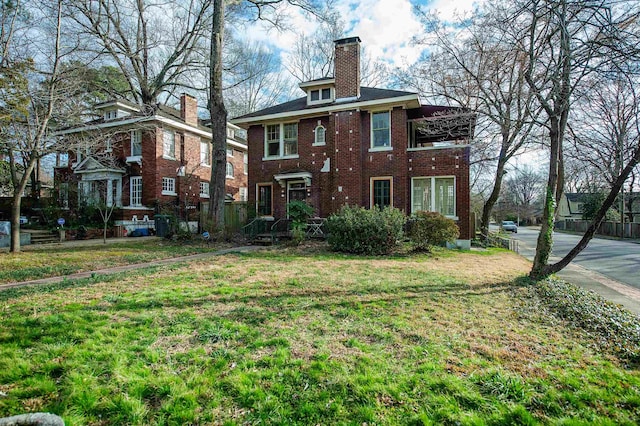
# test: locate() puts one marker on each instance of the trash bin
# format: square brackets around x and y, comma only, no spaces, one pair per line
[162,224]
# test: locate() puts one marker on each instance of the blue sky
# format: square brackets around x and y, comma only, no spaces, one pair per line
[386,27]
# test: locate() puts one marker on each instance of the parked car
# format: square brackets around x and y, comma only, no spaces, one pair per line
[508,225]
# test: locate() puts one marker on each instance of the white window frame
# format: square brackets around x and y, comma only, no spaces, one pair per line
[433,195]
[321,99]
[372,147]
[281,141]
[229,152]
[168,144]
[136,139]
[320,129]
[168,186]
[243,193]
[245,163]
[135,191]
[204,189]
[232,174]
[205,153]
[371,186]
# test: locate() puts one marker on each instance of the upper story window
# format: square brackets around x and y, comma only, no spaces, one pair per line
[108,145]
[231,133]
[320,135]
[229,170]
[205,154]
[111,114]
[169,144]
[322,95]
[136,143]
[168,186]
[245,163]
[381,130]
[229,152]
[281,140]
[204,189]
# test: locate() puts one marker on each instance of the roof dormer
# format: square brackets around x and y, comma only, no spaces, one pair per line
[111,110]
[320,91]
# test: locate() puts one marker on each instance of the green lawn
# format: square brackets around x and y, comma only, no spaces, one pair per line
[42,262]
[284,337]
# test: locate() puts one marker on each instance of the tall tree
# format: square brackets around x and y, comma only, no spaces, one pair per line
[473,65]
[33,98]
[264,9]
[565,41]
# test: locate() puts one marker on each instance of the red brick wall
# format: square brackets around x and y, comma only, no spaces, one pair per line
[189,109]
[347,69]
[353,165]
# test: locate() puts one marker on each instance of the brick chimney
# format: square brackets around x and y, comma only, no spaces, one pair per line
[347,67]
[189,109]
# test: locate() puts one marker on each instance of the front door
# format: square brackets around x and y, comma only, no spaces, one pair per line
[296,191]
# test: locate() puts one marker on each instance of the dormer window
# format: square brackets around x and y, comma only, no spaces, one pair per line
[320,95]
[111,114]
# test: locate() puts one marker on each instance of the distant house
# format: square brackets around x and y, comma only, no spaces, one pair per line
[346,144]
[147,160]
[570,206]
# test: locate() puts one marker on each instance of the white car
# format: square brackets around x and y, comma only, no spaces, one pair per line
[509,225]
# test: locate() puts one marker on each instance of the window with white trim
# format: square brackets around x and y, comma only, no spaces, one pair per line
[434,194]
[320,135]
[381,192]
[169,144]
[136,143]
[135,192]
[281,140]
[205,153]
[229,170]
[322,95]
[381,130]
[204,189]
[229,152]
[243,193]
[168,186]
[245,163]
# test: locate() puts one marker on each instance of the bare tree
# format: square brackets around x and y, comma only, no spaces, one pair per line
[476,67]
[525,188]
[154,44]
[37,96]
[267,10]
[565,41]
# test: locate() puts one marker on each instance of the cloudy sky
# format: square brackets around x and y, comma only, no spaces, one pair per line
[386,27]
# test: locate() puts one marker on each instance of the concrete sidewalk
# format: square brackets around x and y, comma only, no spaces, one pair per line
[125,268]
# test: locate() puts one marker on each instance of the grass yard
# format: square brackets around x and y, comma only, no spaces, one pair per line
[284,337]
[37,262]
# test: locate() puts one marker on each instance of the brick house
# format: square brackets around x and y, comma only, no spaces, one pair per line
[147,160]
[347,144]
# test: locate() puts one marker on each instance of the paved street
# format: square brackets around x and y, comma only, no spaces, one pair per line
[615,259]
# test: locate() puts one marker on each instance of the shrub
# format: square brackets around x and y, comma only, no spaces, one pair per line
[361,231]
[299,212]
[428,229]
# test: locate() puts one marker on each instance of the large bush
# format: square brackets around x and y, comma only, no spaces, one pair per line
[428,229]
[361,231]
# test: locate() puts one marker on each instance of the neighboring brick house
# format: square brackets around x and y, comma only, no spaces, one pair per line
[147,160]
[346,144]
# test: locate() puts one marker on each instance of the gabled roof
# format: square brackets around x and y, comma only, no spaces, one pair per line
[92,165]
[367,95]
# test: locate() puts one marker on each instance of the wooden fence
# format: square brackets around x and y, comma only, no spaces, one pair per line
[235,215]
[611,229]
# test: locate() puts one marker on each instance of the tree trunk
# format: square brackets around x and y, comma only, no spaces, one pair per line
[588,235]
[491,201]
[545,238]
[218,115]
[15,222]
